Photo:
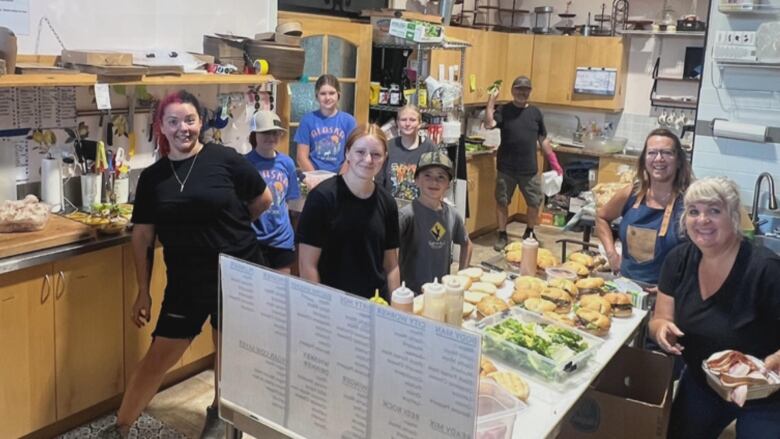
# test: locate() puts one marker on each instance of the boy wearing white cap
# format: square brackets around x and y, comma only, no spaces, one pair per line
[273,228]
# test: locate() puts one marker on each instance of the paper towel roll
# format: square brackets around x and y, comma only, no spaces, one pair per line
[51,183]
[739,131]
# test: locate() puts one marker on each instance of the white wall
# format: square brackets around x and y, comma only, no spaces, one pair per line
[141,24]
[740,95]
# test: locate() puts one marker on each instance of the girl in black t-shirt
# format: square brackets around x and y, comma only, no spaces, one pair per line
[199,201]
[348,230]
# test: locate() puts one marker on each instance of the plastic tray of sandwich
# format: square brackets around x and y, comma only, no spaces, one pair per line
[547,351]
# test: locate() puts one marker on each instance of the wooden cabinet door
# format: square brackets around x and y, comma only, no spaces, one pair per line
[472,172]
[88,329]
[486,207]
[27,346]
[519,61]
[553,69]
[492,63]
[137,340]
[607,52]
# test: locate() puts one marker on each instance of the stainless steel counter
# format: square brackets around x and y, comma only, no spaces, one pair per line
[25,260]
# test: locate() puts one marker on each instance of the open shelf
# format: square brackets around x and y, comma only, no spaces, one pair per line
[675,79]
[411,45]
[85,79]
[506,10]
[748,9]
[650,33]
[394,108]
[674,103]
[748,64]
[48,80]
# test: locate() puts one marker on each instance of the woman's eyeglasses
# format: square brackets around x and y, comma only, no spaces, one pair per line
[666,153]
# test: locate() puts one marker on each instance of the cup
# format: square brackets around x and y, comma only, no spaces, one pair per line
[122,190]
[91,185]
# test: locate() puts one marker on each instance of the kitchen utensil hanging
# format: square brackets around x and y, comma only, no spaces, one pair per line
[619,15]
[542,19]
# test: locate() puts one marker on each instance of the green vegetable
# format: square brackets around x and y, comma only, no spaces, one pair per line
[493,88]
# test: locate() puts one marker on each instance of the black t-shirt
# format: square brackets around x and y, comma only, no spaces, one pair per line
[521,129]
[209,216]
[352,234]
[744,314]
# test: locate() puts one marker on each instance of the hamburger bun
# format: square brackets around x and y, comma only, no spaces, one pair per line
[576,267]
[593,322]
[514,246]
[537,304]
[473,297]
[596,303]
[490,305]
[419,304]
[514,256]
[590,282]
[520,296]
[474,273]
[559,297]
[622,305]
[495,278]
[483,287]
[464,280]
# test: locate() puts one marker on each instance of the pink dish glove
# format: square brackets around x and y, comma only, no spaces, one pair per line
[553,159]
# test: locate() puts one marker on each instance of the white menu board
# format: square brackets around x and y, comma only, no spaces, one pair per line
[38,107]
[595,81]
[316,362]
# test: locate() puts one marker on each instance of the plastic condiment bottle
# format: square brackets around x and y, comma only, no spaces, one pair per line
[528,261]
[402,299]
[454,300]
[434,301]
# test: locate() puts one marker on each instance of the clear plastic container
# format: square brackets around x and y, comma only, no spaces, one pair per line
[313,178]
[548,369]
[497,411]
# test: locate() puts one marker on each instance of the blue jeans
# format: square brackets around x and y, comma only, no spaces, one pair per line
[698,412]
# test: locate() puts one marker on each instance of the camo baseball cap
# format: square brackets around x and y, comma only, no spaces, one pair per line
[435,158]
[521,82]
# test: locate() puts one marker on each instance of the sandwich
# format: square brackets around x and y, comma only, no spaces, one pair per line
[474,273]
[495,278]
[576,267]
[490,305]
[564,284]
[512,383]
[514,246]
[559,318]
[593,321]
[514,256]
[582,258]
[590,285]
[537,304]
[621,304]
[596,303]
[529,283]
[559,297]
[521,295]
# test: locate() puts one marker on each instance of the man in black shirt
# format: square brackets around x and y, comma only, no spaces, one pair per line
[522,129]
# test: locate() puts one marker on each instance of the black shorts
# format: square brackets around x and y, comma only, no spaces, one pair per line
[277,257]
[181,317]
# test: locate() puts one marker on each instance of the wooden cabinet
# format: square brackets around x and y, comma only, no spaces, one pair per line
[606,52]
[481,171]
[474,63]
[611,167]
[472,171]
[27,345]
[88,321]
[553,69]
[518,61]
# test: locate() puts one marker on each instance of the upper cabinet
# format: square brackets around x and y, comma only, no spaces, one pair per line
[606,52]
[519,61]
[553,69]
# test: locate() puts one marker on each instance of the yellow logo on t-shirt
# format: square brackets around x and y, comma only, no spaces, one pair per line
[438,231]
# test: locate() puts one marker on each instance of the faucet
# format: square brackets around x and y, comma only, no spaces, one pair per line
[577,135]
[756,193]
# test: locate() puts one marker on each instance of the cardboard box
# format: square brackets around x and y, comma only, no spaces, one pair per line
[97,58]
[631,398]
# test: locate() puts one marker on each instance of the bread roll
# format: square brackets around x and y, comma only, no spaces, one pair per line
[486,366]
[474,273]
[514,256]
[495,278]
[483,287]
[622,305]
[564,284]
[514,246]
[529,283]
[473,297]
[490,305]
[590,282]
[563,319]
[519,296]
[464,280]
[582,258]
[559,297]
[537,304]
[576,267]
[596,303]
[512,383]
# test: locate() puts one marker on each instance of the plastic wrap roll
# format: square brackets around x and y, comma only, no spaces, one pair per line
[51,184]
[739,131]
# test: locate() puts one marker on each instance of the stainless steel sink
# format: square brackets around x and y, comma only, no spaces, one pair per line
[770,242]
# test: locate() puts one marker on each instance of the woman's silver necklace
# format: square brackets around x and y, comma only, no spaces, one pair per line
[183,182]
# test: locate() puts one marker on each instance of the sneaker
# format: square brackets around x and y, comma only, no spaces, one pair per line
[111,431]
[501,242]
[214,427]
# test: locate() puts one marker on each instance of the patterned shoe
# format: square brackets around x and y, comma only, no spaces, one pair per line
[214,427]
[111,431]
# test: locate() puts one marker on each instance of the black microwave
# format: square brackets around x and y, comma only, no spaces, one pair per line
[348,8]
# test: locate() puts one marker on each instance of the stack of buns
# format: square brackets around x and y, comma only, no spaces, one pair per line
[622,305]
[544,257]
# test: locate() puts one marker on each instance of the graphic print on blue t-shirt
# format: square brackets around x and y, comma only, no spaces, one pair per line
[278,183]
[327,143]
[326,138]
[273,228]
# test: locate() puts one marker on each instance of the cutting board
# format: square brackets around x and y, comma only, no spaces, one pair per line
[58,231]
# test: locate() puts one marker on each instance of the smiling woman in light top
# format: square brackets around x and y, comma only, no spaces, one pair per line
[348,230]
[199,201]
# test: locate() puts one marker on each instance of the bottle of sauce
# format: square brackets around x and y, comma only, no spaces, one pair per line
[402,299]
[434,301]
[454,300]
[528,261]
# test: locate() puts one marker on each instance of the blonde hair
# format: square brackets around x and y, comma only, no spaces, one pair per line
[714,190]
[409,107]
[366,130]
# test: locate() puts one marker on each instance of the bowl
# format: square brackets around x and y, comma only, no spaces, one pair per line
[605,145]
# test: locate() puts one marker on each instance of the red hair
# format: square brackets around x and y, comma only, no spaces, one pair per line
[177,97]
